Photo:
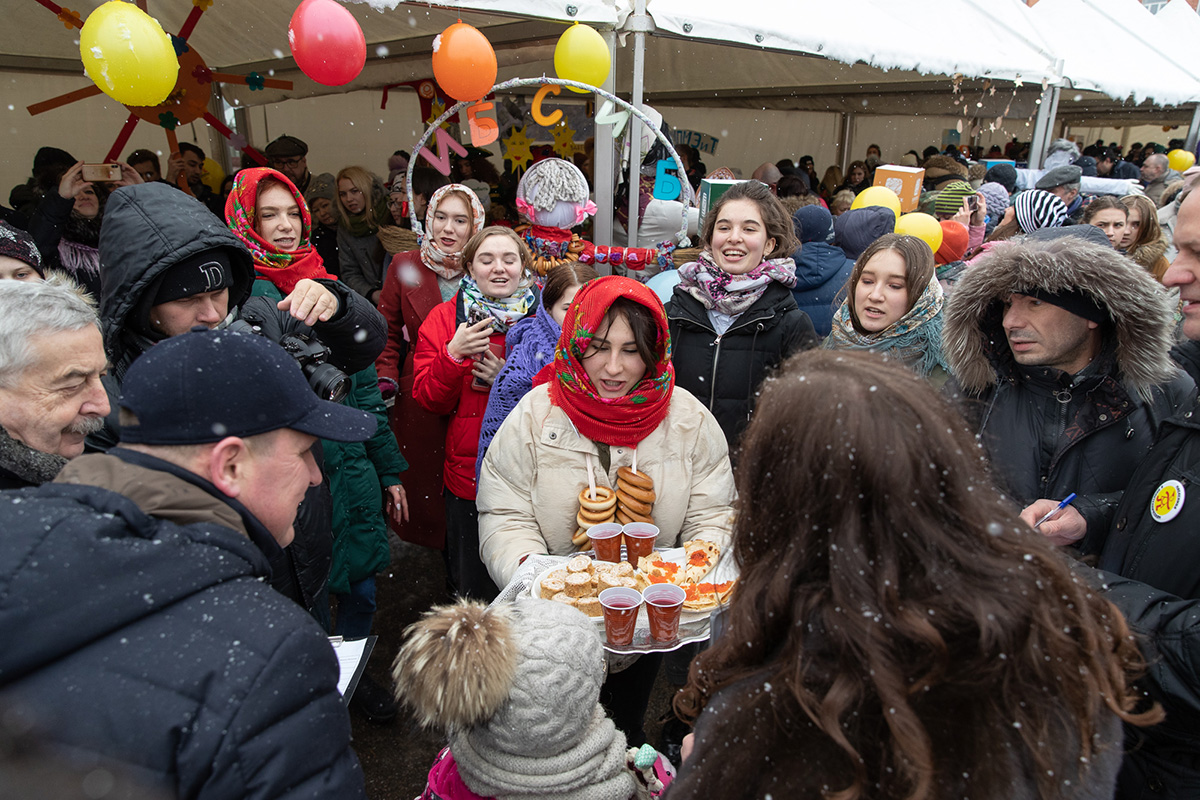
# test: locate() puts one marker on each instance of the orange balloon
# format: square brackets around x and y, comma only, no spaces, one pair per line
[464,63]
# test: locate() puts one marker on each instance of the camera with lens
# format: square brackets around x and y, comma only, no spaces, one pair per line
[329,382]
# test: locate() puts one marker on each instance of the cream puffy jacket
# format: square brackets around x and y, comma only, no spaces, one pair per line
[536,466]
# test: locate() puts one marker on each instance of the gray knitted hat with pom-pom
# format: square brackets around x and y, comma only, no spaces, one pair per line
[517,688]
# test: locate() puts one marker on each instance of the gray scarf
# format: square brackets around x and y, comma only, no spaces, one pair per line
[26,463]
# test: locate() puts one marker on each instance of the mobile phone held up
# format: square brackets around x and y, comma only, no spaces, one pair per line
[101,173]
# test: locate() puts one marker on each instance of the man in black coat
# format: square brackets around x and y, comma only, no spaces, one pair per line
[169,265]
[138,626]
[1150,565]
[1061,348]
[50,366]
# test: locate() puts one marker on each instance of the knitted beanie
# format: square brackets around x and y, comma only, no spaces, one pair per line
[321,186]
[517,686]
[1003,174]
[950,198]
[996,197]
[858,227]
[16,243]
[954,242]
[1038,209]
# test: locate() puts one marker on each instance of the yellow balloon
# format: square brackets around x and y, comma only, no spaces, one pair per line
[582,55]
[212,175]
[922,226]
[1181,160]
[128,55]
[878,196]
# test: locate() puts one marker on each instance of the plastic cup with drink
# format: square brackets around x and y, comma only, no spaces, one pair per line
[620,606]
[639,541]
[664,604]
[606,541]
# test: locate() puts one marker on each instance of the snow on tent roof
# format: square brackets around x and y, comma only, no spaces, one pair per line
[883,34]
[1087,36]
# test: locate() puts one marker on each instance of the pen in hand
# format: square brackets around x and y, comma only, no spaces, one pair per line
[1066,501]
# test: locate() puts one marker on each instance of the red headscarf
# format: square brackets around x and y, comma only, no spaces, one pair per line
[282,268]
[620,420]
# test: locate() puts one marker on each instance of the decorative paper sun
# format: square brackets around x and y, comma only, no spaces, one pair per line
[187,102]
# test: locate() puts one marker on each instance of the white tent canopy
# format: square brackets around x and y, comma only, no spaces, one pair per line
[886,35]
[999,39]
[1103,47]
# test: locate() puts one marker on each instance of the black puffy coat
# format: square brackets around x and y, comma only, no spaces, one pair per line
[1152,573]
[724,372]
[148,229]
[151,227]
[1043,447]
[1047,433]
[158,644]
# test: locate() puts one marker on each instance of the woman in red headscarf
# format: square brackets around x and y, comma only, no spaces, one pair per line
[608,401]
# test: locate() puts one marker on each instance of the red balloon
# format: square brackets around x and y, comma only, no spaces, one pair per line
[464,63]
[327,42]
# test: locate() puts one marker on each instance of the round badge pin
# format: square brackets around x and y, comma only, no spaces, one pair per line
[1168,501]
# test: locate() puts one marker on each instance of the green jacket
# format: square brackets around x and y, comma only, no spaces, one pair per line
[358,473]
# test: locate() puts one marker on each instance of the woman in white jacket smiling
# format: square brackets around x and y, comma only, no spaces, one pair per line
[608,398]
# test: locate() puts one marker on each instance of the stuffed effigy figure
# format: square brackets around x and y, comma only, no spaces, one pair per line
[553,196]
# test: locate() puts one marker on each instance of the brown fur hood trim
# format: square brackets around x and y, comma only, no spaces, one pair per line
[937,166]
[974,340]
[456,668]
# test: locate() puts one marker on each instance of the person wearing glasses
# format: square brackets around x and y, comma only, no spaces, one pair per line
[289,155]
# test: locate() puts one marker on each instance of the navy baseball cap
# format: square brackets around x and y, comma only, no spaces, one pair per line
[205,385]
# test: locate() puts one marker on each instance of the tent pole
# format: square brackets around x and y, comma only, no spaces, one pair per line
[639,20]
[1194,130]
[844,141]
[1043,127]
[602,165]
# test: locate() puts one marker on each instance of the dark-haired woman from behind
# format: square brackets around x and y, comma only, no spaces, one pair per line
[897,630]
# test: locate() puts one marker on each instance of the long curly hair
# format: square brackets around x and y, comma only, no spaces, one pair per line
[895,607]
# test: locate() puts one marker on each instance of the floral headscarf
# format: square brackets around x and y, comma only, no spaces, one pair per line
[448,265]
[282,268]
[619,420]
[915,339]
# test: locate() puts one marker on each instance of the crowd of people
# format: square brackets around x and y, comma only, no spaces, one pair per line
[954,483]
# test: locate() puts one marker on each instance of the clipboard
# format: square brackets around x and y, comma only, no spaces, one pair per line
[352,655]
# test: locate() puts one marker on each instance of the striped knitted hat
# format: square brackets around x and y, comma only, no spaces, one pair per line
[1036,209]
[950,199]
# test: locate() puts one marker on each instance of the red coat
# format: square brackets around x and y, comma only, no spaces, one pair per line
[444,387]
[422,435]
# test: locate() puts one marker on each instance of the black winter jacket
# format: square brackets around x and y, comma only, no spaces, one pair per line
[724,372]
[159,645]
[150,228]
[1048,434]
[1152,573]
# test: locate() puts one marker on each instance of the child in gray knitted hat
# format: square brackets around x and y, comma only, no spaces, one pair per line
[516,688]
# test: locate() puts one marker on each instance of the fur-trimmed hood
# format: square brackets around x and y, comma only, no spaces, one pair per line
[974,340]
